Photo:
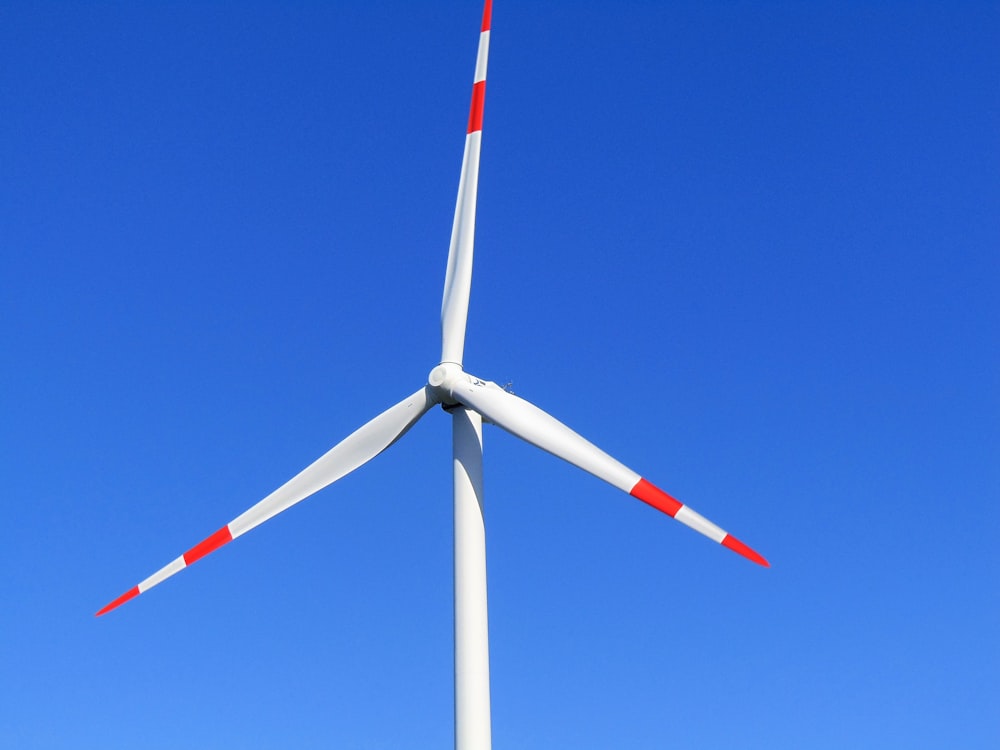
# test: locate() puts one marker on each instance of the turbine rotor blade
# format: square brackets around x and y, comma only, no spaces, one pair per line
[458,277]
[526,421]
[352,452]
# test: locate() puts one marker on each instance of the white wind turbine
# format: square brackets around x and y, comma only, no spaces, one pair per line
[469,400]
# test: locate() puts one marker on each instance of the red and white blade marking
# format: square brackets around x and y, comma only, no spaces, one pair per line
[479,81]
[654,496]
[458,277]
[198,551]
[525,420]
[355,450]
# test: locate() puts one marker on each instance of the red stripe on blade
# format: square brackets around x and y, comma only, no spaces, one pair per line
[211,544]
[737,546]
[476,111]
[656,497]
[132,593]
[487,12]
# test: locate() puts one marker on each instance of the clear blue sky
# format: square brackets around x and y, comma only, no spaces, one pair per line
[750,249]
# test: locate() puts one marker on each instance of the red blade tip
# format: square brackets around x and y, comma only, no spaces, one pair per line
[737,546]
[132,593]
[487,13]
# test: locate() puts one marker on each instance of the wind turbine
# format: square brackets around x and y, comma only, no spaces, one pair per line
[470,401]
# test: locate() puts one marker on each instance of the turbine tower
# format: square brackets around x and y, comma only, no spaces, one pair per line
[469,400]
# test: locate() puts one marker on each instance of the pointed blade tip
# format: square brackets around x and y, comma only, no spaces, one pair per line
[130,594]
[739,547]
[487,15]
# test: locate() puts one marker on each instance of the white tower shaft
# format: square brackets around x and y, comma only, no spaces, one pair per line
[472,658]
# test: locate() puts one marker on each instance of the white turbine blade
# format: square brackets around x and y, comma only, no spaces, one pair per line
[458,278]
[528,422]
[354,451]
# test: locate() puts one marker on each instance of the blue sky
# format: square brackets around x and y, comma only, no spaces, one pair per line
[750,249]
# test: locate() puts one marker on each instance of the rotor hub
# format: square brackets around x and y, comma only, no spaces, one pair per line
[443,379]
